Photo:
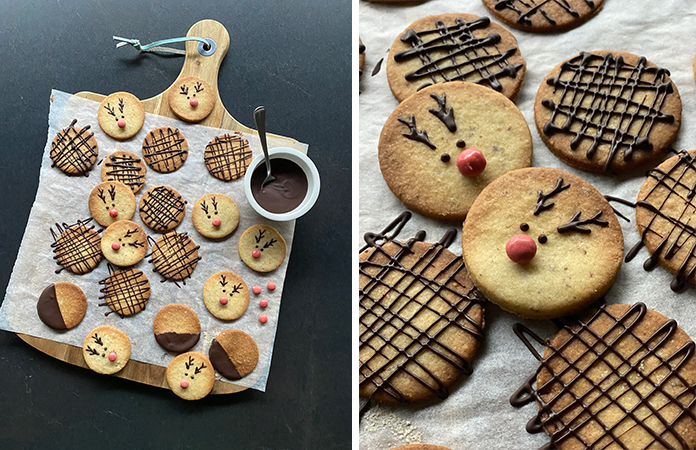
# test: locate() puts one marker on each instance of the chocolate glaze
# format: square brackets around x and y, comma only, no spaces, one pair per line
[177,342]
[387,317]
[538,6]
[73,152]
[221,361]
[164,150]
[466,55]
[414,134]
[608,85]
[286,192]
[681,231]
[377,68]
[548,417]
[48,309]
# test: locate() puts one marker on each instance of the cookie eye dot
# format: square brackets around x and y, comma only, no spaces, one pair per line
[461,143]
[445,157]
[524,226]
[543,239]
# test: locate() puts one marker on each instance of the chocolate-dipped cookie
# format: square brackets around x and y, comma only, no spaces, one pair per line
[176,328]
[62,305]
[234,354]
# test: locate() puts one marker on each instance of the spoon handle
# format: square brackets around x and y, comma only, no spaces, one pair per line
[260,119]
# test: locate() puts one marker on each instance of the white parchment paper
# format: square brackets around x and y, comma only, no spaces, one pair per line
[63,199]
[477,415]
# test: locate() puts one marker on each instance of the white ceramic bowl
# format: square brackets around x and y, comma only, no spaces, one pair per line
[307,167]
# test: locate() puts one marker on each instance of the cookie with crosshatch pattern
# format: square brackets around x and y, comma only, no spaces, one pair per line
[422,139]
[174,256]
[121,115]
[449,47]
[619,376]
[227,156]
[609,112]
[125,292]
[192,99]
[125,167]
[420,317]
[74,150]
[543,15]
[165,149]
[162,208]
[77,247]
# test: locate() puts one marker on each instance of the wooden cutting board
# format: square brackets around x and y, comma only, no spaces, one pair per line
[206,67]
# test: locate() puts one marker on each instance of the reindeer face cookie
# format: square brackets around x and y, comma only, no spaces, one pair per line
[191,376]
[427,135]
[215,215]
[549,235]
[121,115]
[124,243]
[110,202]
[106,350]
[262,248]
[192,99]
[226,295]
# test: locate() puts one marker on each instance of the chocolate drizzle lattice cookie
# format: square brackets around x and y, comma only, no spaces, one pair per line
[162,208]
[421,318]
[449,47]
[126,292]
[125,167]
[621,377]
[74,150]
[543,15]
[165,149]
[77,247]
[227,156]
[174,256]
[608,111]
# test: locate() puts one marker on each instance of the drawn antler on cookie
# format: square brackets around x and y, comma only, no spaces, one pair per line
[112,191]
[110,108]
[199,369]
[184,90]
[100,194]
[92,351]
[445,114]
[198,87]
[204,207]
[189,364]
[260,236]
[120,105]
[576,225]
[236,289]
[541,198]
[223,282]
[269,243]
[97,339]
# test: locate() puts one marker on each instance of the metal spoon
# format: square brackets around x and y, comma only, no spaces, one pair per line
[260,119]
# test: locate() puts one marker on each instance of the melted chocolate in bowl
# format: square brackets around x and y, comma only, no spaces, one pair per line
[286,192]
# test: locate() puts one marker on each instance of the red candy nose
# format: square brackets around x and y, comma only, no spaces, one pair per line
[256,254]
[112,356]
[184,384]
[223,300]
[521,249]
[217,222]
[113,212]
[122,123]
[471,162]
[194,102]
[115,246]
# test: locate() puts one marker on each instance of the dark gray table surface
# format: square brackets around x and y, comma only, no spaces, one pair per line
[294,58]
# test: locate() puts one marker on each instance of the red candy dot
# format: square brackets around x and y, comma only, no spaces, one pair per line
[471,162]
[256,254]
[223,300]
[271,286]
[263,303]
[217,222]
[122,123]
[113,212]
[115,246]
[184,384]
[112,356]
[193,102]
[256,290]
[263,318]
[521,248]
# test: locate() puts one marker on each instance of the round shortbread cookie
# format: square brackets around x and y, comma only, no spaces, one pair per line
[124,243]
[576,240]
[262,248]
[106,350]
[110,202]
[582,123]
[176,328]
[121,115]
[226,295]
[215,216]
[543,15]
[62,305]
[174,256]
[125,167]
[162,208]
[227,156]
[416,296]
[629,374]
[191,376]
[423,137]
[126,292]
[449,47]
[234,354]
[664,211]
[77,247]
[74,150]
[192,99]
[165,149]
